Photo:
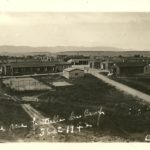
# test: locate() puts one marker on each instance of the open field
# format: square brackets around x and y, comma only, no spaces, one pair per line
[25,84]
[125,117]
[140,83]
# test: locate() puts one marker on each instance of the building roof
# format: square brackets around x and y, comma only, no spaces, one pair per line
[72,69]
[131,64]
[62,63]
[78,59]
[36,64]
[15,60]
[31,64]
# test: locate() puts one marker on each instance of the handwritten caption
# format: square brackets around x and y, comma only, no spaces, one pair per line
[45,124]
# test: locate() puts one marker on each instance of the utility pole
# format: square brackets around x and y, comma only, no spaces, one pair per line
[1,79]
[18,85]
[100,112]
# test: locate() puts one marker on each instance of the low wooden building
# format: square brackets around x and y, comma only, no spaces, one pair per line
[27,68]
[128,68]
[79,61]
[95,64]
[70,73]
[106,65]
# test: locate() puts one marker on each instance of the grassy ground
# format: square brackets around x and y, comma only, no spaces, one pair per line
[122,120]
[89,92]
[139,83]
[12,114]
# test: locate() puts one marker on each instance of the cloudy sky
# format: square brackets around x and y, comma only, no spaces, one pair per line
[123,30]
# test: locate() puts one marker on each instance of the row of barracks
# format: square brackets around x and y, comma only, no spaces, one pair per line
[27,68]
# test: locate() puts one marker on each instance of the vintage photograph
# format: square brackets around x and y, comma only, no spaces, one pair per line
[74,77]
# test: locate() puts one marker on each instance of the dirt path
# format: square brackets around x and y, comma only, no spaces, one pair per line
[27,108]
[32,112]
[120,86]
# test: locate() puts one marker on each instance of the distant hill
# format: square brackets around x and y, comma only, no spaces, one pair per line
[107,53]
[69,50]
[23,50]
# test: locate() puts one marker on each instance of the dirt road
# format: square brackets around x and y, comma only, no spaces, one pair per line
[120,86]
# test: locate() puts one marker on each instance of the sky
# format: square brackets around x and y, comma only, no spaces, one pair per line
[122,30]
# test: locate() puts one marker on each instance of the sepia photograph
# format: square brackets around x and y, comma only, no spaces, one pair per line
[74,77]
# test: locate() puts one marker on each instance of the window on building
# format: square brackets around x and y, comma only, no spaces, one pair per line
[76,74]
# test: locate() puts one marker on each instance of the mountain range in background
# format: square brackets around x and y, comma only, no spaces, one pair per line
[69,50]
